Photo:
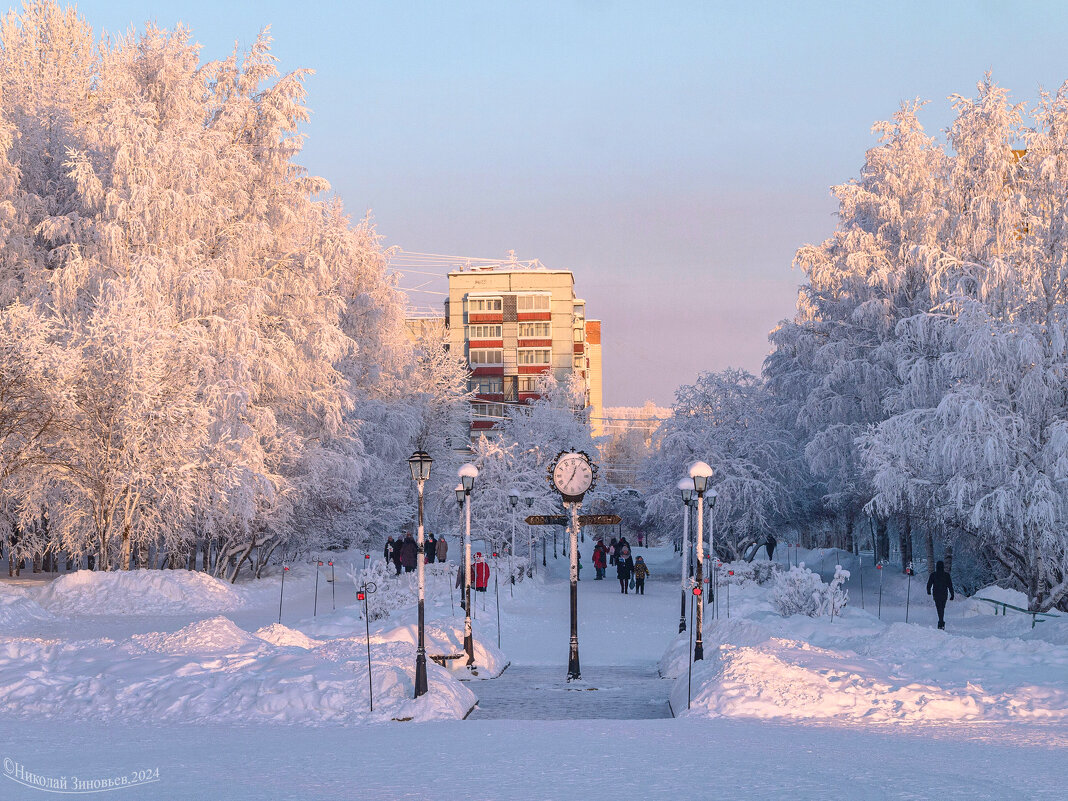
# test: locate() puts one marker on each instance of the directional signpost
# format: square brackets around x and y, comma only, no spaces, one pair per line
[584,520]
[547,520]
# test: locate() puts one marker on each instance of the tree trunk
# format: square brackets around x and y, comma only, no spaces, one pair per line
[905,542]
[882,540]
[949,558]
[928,541]
[848,544]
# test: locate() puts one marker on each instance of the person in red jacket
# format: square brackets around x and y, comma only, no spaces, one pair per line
[600,559]
[480,573]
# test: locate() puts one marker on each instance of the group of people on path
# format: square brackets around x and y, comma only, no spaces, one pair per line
[631,572]
[405,553]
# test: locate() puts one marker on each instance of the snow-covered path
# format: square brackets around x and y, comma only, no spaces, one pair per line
[543,693]
[501,760]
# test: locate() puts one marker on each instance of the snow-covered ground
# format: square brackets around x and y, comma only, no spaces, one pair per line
[207,686]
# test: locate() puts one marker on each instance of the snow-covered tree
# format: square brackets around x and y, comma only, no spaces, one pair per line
[733,422]
[519,454]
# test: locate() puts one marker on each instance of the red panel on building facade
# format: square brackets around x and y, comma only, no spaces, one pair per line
[494,370]
[527,397]
[485,317]
[497,397]
[578,347]
[593,332]
[535,343]
[532,369]
[485,343]
[526,317]
[482,424]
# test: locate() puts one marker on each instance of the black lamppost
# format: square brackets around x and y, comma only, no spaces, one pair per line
[420,463]
[686,487]
[468,474]
[700,473]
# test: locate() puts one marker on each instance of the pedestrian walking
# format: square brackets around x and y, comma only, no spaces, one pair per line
[480,573]
[409,552]
[641,570]
[612,552]
[624,569]
[641,539]
[769,543]
[396,555]
[939,585]
[387,552]
[442,549]
[600,559]
[430,549]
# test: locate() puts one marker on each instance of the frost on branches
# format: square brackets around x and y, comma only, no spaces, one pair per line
[213,356]
[799,591]
[928,355]
[731,421]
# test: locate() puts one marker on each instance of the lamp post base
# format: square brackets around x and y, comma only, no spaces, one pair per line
[420,673]
[574,673]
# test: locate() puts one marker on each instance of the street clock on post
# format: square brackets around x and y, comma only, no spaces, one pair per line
[572,474]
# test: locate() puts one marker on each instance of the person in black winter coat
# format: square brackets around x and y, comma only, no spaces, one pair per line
[387,552]
[430,549]
[770,542]
[938,585]
[409,552]
[624,568]
[395,555]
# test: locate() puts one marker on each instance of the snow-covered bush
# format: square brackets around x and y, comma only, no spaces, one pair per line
[392,590]
[802,592]
[749,573]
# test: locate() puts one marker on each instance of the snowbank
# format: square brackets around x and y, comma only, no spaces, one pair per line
[974,606]
[761,665]
[285,637]
[214,671]
[217,635]
[139,592]
[791,679]
[17,611]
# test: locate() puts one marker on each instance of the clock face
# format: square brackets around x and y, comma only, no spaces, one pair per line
[572,474]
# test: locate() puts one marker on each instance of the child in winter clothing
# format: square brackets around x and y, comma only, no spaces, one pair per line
[641,570]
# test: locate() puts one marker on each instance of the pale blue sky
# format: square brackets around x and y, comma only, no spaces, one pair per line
[674,155]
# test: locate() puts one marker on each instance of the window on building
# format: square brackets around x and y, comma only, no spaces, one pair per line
[580,311]
[528,383]
[487,411]
[484,332]
[477,305]
[486,385]
[580,335]
[527,303]
[536,330]
[482,356]
[535,356]
[580,361]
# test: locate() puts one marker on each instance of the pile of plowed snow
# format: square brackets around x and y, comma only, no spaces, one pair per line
[217,635]
[792,679]
[285,637]
[139,592]
[859,668]
[16,610]
[213,670]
